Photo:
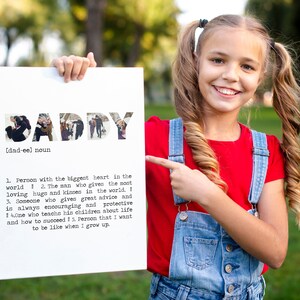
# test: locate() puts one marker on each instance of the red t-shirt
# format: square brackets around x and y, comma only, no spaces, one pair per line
[235,159]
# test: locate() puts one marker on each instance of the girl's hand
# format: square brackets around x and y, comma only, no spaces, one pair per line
[73,67]
[191,185]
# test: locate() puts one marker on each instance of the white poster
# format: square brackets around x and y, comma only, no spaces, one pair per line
[72,172]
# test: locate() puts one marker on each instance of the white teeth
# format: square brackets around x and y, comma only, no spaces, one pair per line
[226,91]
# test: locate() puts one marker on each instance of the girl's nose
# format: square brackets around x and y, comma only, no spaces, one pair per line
[231,73]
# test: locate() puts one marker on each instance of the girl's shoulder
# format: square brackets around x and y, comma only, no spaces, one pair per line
[276,157]
[156,134]
[154,126]
[156,121]
[272,140]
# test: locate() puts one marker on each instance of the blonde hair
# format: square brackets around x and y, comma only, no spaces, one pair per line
[286,92]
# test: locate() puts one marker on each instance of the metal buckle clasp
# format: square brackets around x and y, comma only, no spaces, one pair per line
[183,216]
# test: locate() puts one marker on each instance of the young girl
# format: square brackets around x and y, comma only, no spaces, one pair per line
[229,221]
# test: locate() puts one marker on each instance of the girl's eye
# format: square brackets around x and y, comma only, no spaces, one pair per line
[217,60]
[248,67]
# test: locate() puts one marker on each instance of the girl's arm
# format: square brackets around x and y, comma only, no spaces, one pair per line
[73,67]
[265,238]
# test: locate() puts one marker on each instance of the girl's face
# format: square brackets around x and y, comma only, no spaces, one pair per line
[230,69]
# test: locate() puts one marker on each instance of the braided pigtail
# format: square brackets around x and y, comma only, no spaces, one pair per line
[188,103]
[286,97]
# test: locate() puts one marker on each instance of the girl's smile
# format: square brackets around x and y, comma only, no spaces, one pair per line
[226,91]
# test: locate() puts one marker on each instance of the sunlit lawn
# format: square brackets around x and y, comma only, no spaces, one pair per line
[282,284]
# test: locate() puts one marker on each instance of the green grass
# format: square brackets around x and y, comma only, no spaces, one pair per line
[282,284]
[259,118]
[111,286]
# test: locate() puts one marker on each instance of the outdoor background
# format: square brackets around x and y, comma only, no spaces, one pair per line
[137,33]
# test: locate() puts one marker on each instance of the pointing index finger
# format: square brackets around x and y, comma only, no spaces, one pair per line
[162,162]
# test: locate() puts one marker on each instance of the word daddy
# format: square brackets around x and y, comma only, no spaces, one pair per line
[70,126]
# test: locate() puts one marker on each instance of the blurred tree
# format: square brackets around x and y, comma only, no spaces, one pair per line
[95,27]
[131,27]
[280,16]
[89,19]
[135,33]
[34,19]
[143,34]
[135,27]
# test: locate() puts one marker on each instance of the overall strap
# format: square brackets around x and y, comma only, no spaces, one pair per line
[176,148]
[260,165]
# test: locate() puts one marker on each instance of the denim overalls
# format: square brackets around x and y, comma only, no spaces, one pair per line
[206,263]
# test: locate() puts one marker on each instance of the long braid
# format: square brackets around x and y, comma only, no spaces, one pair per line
[286,97]
[188,103]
